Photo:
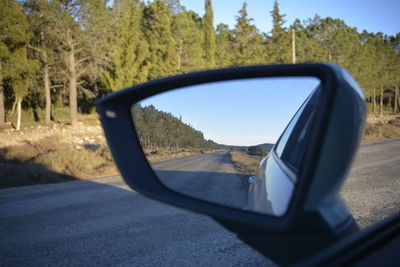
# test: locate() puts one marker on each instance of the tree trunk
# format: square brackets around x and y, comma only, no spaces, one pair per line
[374,101]
[293,46]
[72,83]
[47,116]
[396,96]
[18,114]
[381,103]
[2,113]
[180,55]
[14,106]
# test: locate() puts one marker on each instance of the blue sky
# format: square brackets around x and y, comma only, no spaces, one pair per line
[371,15]
[241,112]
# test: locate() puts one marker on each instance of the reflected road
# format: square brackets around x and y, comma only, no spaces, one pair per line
[210,177]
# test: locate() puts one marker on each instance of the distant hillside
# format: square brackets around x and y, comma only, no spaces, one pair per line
[267,146]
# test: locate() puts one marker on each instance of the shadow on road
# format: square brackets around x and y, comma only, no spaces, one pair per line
[229,189]
[102,222]
[16,174]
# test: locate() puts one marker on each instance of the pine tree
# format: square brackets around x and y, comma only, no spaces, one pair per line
[187,30]
[279,47]
[225,45]
[72,50]
[161,130]
[97,21]
[15,65]
[209,35]
[163,57]
[127,48]
[247,41]
[40,15]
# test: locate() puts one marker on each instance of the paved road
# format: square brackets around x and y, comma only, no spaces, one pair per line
[210,177]
[102,222]
[372,189]
[105,223]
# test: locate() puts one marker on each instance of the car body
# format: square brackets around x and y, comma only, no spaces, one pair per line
[270,191]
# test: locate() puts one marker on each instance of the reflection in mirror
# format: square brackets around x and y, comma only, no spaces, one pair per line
[214,141]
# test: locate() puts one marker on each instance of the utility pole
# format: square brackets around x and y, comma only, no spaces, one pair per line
[396,96]
[293,46]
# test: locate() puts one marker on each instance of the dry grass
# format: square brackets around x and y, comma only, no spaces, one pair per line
[50,160]
[381,130]
[245,163]
[162,155]
[14,174]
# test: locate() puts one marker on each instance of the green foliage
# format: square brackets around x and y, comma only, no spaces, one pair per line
[15,67]
[163,56]
[127,50]
[81,50]
[187,29]
[225,44]
[278,45]
[209,36]
[14,37]
[157,129]
[247,42]
[308,48]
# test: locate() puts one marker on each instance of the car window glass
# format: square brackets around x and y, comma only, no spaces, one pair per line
[285,136]
[296,144]
[293,141]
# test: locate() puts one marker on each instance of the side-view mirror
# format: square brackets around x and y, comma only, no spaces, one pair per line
[262,149]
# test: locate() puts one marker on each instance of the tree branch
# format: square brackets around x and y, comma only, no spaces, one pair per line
[35,48]
[82,60]
[79,73]
[57,86]
[64,72]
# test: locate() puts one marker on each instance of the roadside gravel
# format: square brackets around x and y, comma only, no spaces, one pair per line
[372,189]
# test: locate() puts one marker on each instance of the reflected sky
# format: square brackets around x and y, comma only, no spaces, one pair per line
[238,112]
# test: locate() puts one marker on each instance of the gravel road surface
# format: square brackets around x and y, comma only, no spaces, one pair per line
[210,177]
[372,189]
[102,222]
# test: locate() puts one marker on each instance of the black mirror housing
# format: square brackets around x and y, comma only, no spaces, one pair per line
[315,208]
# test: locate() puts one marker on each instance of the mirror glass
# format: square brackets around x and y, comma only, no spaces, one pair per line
[215,141]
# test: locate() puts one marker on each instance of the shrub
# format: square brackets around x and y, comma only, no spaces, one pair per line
[156,152]
[257,151]
[381,130]
[80,163]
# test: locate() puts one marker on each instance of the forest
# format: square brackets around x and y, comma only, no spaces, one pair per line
[64,54]
[161,130]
